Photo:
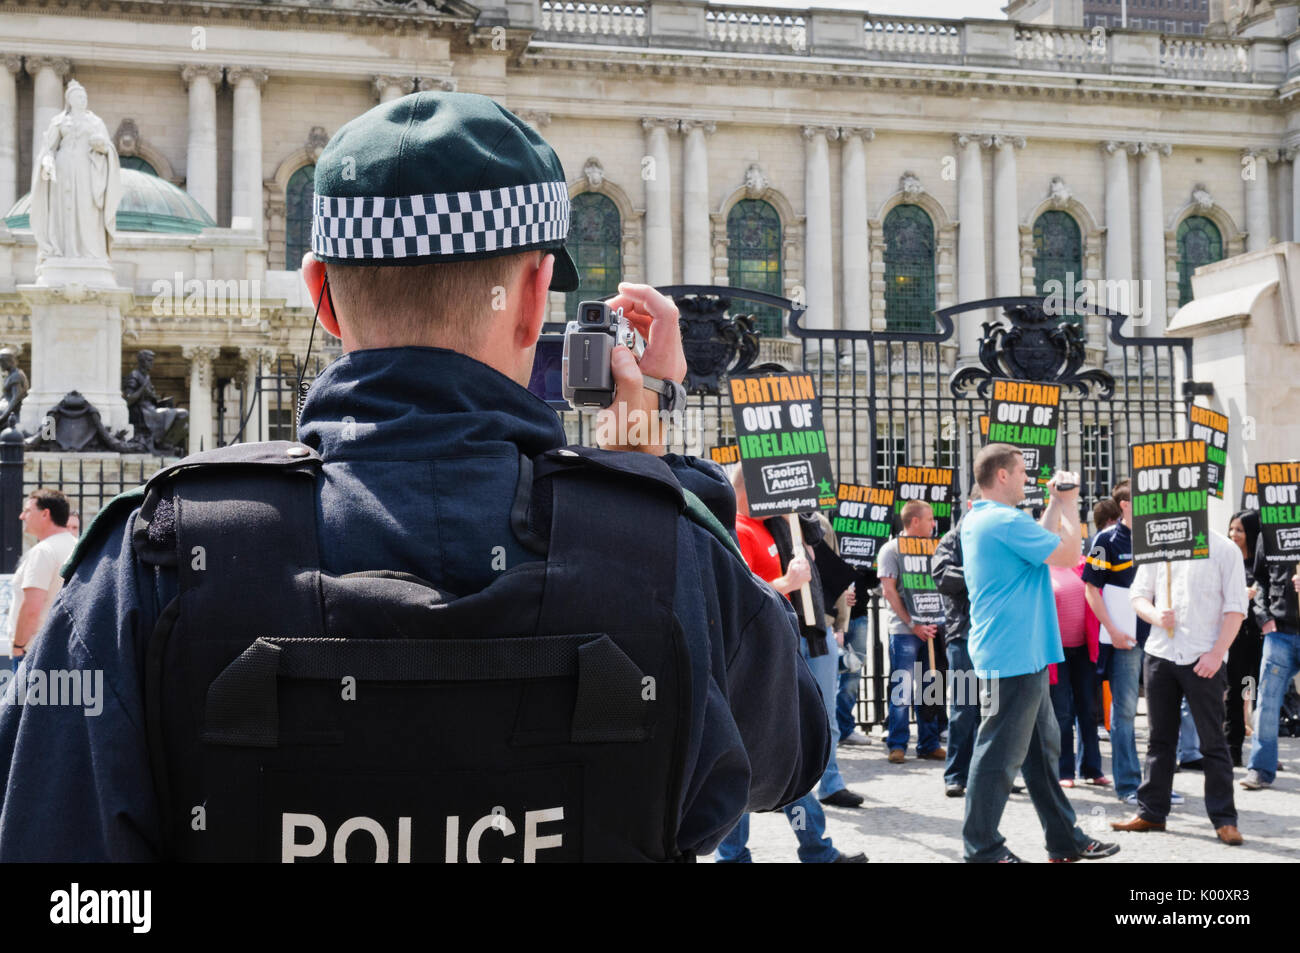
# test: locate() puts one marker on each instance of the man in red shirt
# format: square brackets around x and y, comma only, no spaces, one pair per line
[806,816]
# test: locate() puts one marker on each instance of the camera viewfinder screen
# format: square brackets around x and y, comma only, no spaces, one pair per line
[547,376]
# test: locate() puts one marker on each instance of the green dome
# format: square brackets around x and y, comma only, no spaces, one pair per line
[149,204]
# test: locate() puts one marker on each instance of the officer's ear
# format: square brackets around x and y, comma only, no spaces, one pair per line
[537,294]
[313,273]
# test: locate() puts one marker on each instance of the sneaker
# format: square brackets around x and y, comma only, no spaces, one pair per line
[955,790]
[1131,799]
[1010,858]
[896,756]
[855,740]
[1103,734]
[1067,782]
[850,859]
[1094,851]
[1176,798]
[843,798]
[1253,782]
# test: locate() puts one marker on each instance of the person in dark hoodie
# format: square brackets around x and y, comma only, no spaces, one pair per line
[414,474]
[963,695]
[1248,647]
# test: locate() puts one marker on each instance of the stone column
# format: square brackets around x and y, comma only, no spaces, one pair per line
[48,74]
[1119,234]
[246,158]
[258,425]
[1258,207]
[656,173]
[1151,237]
[9,132]
[1006,218]
[697,238]
[1294,155]
[855,249]
[201,149]
[392,87]
[200,357]
[818,270]
[972,273]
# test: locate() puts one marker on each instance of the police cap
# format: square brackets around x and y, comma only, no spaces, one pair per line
[438,177]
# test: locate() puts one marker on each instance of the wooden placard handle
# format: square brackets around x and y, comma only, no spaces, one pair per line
[796,541]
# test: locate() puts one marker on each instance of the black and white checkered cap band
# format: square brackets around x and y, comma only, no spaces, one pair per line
[445,223]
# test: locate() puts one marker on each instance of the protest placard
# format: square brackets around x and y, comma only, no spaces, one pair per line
[1170,492]
[933,485]
[1249,493]
[1279,511]
[725,454]
[1026,415]
[915,581]
[1212,427]
[862,522]
[782,444]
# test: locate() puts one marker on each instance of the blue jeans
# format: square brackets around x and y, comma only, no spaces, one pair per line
[1189,742]
[1125,664]
[1072,701]
[824,671]
[1018,733]
[904,651]
[846,699]
[807,820]
[1278,667]
[963,713]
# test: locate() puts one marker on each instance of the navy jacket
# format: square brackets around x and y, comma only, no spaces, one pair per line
[420,449]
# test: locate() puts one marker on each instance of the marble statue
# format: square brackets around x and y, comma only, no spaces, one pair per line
[76,184]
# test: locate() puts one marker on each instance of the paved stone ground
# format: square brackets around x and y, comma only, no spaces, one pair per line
[908,819]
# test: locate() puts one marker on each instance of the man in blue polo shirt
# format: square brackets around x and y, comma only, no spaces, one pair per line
[1014,636]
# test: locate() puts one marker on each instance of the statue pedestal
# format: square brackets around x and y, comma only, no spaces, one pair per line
[76,272]
[76,344]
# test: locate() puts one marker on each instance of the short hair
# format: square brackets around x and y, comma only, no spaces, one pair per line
[452,299]
[1122,493]
[1105,512]
[53,502]
[914,509]
[994,457]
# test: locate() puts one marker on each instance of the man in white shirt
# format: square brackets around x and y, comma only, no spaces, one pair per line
[37,581]
[1185,659]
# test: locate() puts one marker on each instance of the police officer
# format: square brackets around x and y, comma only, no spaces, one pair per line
[457,640]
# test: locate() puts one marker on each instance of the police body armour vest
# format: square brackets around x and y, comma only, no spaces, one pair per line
[296,715]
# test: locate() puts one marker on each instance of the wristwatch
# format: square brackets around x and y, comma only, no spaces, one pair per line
[672,395]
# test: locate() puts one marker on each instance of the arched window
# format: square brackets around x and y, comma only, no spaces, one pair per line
[909,269]
[1199,243]
[754,259]
[596,243]
[297,216]
[138,164]
[1058,251]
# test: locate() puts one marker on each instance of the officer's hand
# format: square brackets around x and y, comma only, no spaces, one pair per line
[632,421]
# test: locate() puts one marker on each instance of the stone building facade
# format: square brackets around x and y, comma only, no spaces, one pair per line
[874,168]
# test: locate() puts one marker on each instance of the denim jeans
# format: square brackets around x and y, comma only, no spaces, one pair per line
[807,820]
[1019,732]
[904,651]
[823,669]
[1125,665]
[1279,666]
[963,713]
[846,699]
[1189,742]
[1072,701]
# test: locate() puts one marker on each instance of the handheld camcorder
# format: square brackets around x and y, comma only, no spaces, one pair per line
[573,370]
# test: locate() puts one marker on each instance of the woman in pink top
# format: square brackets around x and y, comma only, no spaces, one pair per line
[1074,681]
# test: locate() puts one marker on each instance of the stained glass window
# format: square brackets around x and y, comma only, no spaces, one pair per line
[754,259]
[909,269]
[596,243]
[297,216]
[1199,243]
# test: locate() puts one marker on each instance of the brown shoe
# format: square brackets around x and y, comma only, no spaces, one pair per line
[896,756]
[1229,835]
[938,754]
[1138,823]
